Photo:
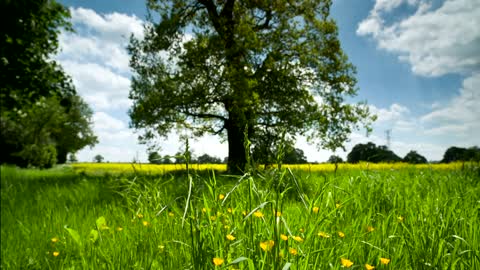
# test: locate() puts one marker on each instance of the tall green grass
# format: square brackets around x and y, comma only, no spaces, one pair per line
[417,219]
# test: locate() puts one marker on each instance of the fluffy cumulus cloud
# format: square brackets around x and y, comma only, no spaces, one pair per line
[434,41]
[95,56]
[460,118]
[438,38]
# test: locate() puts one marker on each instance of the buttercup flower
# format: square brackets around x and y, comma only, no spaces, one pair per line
[370,229]
[171,214]
[315,209]
[229,210]
[324,235]
[292,251]
[298,238]
[283,237]
[258,214]
[369,267]
[346,262]
[221,197]
[146,223]
[54,240]
[384,261]
[267,245]
[56,253]
[341,234]
[119,229]
[218,261]
[139,215]
[400,218]
[230,237]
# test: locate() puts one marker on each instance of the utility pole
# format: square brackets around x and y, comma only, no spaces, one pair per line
[388,133]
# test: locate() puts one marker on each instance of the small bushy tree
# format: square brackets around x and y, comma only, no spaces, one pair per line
[98,158]
[334,159]
[414,158]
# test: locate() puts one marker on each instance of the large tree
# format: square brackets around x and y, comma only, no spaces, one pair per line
[243,69]
[42,117]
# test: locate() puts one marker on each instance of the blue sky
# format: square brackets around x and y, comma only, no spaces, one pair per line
[418,64]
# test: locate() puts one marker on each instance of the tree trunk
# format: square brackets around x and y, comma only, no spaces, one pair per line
[236,150]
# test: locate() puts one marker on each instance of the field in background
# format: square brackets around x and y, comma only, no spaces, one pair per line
[394,216]
[101,168]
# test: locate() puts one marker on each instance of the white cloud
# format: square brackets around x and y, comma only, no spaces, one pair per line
[433,41]
[114,27]
[104,121]
[392,114]
[101,87]
[461,117]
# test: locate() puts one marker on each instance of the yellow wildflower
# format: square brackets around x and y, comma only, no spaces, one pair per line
[292,251]
[230,237]
[267,245]
[244,212]
[204,210]
[338,205]
[278,214]
[301,230]
[258,214]
[104,227]
[218,261]
[229,210]
[119,229]
[139,215]
[283,237]
[400,218]
[171,214]
[346,262]
[315,209]
[54,240]
[56,253]
[213,218]
[298,238]
[384,261]
[221,197]
[146,223]
[369,267]
[324,235]
[341,234]
[370,229]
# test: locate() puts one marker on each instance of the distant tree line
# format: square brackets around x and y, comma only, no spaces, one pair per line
[368,152]
[372,153]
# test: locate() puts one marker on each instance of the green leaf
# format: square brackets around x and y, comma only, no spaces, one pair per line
[238,260]
[287,266]
[101,222]
[93,236]
[74,234]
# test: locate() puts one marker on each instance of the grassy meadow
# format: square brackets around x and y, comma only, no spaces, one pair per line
[392,216]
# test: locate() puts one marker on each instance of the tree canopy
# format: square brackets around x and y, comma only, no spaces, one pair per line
[372,153]
[414,158]
[244,69]
[42,118]
[461,154]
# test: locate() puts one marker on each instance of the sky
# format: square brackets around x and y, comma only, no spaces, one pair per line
[418,67]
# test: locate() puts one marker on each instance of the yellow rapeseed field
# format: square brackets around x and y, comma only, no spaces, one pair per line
[101,168]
